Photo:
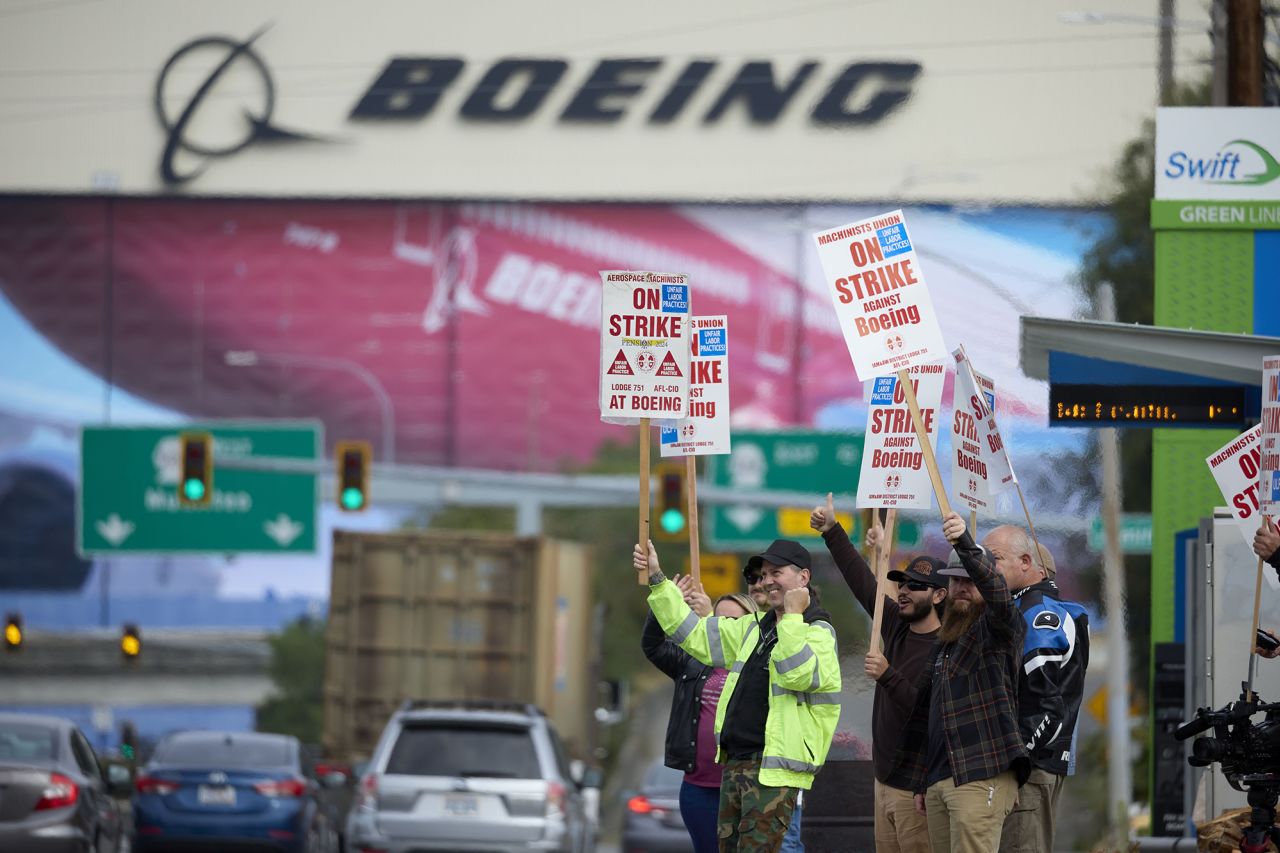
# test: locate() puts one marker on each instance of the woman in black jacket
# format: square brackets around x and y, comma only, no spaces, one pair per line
[691,740]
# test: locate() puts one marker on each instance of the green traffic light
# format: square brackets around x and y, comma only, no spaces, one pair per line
[672,521]
[193,489]
[352,498]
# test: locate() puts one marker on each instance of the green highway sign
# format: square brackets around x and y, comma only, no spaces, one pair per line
[815,462]
[128,500]
[1135,534]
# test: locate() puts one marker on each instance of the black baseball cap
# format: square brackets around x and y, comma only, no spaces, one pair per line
[783,552]
[924,569]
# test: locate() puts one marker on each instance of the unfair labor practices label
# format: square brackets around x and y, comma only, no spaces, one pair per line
[880,297]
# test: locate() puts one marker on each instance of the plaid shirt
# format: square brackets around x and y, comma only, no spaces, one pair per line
[979,691]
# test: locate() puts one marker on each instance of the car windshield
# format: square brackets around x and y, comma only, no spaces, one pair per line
[27,742]
[231,751]
[662,779]
[451,749]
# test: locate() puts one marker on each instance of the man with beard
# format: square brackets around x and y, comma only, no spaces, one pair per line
[755,584]
[1055,654]
[909,626]
[961,752]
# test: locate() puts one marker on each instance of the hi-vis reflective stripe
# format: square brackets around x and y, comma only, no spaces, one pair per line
[738,666]
[777,762]
[817,676]
[713,639]
[819,623]
[686,628]
[798,659]
[807,698]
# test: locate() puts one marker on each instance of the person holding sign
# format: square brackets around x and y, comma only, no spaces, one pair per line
[1055,654]
[961,751]
[909,627]
[691,741]
[781,701]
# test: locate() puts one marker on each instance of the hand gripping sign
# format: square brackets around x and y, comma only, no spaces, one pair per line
[980,466]
[880,297]
[894,473]
[644,359]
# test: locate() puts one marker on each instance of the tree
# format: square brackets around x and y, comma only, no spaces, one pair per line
[297,668]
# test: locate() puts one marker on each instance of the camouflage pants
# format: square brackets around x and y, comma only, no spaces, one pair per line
[753,818]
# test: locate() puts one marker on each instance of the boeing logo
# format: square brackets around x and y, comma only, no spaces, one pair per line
[257,113]
[408,89]
[1236,163]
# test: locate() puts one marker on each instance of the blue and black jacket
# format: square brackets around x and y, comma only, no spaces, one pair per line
[1055,655]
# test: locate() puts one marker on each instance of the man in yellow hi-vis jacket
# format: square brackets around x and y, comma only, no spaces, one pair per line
[781,701]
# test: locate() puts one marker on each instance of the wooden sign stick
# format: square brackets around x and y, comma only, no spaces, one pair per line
[1030,526]
[883,547]
[1257,601]
[642,578]
[922,435]
[691,478]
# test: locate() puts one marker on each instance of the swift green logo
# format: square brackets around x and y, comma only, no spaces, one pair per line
[1225,167]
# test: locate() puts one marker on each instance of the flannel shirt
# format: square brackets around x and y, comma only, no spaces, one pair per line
[980,689]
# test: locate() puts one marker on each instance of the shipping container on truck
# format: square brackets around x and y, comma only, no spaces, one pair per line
[457,615]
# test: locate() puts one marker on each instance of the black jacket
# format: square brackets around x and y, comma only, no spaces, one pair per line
[689,676]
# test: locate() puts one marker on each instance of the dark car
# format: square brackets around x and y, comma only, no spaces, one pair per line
[651,821]
[229,790]
[54,797]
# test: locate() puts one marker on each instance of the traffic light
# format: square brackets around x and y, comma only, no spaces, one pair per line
[672,505]
[353,475]
[195,480]
[128,741]
[130,642]
[13,632]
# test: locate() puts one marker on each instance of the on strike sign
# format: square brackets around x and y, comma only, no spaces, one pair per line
[1269,462]
[1235,467]
[880,296]
[970,474]
[893,467]
[979,453]
[644,346]
[705,431]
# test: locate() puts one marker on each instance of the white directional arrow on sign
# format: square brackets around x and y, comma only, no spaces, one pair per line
[744,517]
[115,529]
[283,529]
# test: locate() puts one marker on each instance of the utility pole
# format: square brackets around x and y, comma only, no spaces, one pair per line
[1244,53]
[1119,768]
[1168,23]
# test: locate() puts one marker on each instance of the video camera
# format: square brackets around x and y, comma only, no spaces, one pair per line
[1250,757]
[1248,752]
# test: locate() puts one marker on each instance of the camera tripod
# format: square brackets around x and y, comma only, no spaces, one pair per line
[1261,828]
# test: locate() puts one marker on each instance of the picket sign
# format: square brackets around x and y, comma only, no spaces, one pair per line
[881,558]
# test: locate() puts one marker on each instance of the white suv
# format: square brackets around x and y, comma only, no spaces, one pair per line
[468,776]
